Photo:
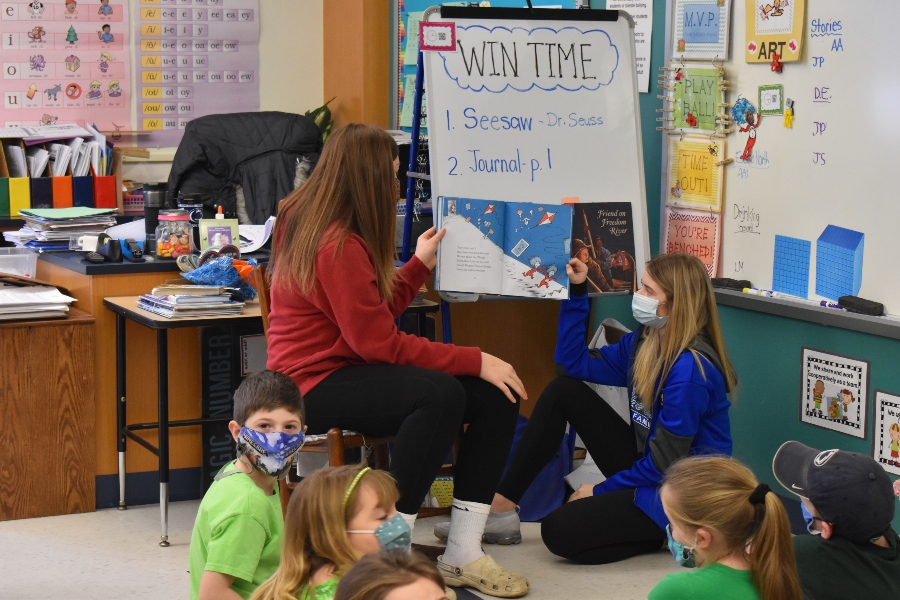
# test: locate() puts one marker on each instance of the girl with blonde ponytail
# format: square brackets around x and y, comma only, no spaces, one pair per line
[732,527]
[678,376]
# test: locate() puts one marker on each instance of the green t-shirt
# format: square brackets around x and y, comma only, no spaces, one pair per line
[839,568]
[712,582]
[238,532]
[323,591]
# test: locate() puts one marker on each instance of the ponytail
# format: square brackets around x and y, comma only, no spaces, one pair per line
[772,565]
[721,494]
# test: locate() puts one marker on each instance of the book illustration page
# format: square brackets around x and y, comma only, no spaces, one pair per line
[470,258]
[512,249]
[603,239]
[537,249]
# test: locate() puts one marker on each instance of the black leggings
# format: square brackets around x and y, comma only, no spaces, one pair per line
[425,410]
[596,530]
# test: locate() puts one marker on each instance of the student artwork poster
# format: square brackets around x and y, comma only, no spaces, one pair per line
[886,435]
[504,248]
[834,392]
[67,62]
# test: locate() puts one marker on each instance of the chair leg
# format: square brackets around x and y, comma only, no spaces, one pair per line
[335,443]
[382,457]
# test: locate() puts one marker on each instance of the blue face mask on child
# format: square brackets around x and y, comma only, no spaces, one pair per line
[644,310]
[683,555]
[393,534]
[272,453]
[810,520]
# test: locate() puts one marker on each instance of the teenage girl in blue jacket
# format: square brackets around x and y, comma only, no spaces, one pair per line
[677,373]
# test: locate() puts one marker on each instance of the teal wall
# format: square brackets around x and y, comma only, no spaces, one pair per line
[765,349]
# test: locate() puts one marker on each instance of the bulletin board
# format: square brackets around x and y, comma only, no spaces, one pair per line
[811,210]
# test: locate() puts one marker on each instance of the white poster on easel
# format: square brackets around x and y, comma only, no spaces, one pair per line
[833,392]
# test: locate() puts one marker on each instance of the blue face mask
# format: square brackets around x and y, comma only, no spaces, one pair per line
[683,555]
[272,453]
[644,310]
[393,534]
[810,520]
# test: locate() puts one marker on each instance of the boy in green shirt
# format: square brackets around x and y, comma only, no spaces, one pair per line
[236,542]
[848,505]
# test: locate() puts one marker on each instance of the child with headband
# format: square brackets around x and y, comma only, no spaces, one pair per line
[733,528]
[335,517]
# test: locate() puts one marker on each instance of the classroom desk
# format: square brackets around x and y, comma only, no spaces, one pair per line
[126,309]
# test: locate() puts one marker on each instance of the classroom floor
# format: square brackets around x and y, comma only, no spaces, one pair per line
[114,554]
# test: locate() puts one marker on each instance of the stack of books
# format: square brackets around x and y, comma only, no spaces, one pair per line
[48,229]
[190,301]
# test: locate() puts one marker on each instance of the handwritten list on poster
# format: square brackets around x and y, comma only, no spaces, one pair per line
[67,62]
[194,58]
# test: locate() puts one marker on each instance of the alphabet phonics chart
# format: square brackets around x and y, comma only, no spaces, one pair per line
[65,60]
[194,58]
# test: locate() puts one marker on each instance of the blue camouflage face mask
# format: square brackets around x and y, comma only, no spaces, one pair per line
[393,534]
[272,453]
[683,555]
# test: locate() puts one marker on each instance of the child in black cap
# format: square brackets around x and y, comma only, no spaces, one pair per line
[848,505]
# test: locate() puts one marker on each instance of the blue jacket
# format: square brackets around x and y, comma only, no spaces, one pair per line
[689,417]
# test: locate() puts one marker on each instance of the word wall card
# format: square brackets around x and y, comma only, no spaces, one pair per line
[194,58]
[66,60]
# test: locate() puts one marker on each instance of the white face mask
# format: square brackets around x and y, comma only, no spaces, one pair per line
[644,310]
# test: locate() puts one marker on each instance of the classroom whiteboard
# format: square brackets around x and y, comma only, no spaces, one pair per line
[538,107]
[832,168]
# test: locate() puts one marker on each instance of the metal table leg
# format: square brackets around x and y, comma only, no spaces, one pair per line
[162,357]
[120,404]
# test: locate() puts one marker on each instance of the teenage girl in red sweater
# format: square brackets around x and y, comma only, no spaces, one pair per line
[334,300]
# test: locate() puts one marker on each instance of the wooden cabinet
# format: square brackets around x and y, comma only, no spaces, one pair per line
[47,412]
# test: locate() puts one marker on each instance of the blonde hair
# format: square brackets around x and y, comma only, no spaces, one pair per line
[692,311]
[113,82]
[105,56]
[714,492]
[377,575]
[351,190]
[315,527]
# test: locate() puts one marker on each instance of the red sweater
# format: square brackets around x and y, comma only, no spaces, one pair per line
[344,321]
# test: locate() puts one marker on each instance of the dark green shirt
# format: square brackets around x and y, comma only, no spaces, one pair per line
[838,568]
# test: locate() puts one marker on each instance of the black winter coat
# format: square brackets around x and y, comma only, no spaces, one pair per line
[258,151]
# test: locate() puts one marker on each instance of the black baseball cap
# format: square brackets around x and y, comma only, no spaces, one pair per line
[850,490]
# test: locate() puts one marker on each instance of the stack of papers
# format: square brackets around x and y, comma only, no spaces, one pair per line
[44,133]
[37,159]
[32,302]
[254,237]
[190,306]
[50,228]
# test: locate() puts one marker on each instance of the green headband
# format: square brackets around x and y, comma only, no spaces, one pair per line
[353,485]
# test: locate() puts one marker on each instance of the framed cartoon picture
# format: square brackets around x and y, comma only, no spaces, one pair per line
[833,392]
[218,232]
[886,435]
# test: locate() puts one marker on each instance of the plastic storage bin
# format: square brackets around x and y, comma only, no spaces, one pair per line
[18,261]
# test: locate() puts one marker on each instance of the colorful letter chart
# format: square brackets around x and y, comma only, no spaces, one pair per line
[67,61]
[194,58]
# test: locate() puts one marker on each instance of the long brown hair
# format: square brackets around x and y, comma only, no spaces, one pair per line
[714,492]
[692,311]
[315,527]
[351,190]
[376,575]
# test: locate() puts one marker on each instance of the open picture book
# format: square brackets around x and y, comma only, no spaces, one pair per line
[521,249]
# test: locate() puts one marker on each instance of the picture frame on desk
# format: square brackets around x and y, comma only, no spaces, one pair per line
[218,232]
